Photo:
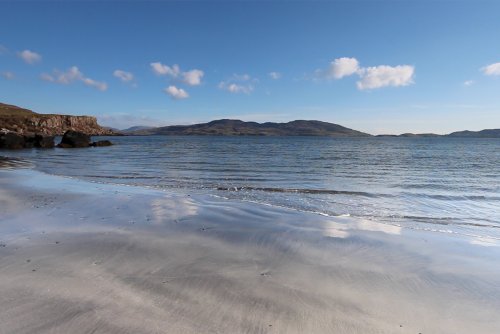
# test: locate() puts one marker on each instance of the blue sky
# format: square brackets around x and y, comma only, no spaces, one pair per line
[376,66]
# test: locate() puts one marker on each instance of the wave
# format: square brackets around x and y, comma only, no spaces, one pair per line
[14,163]
[302,191]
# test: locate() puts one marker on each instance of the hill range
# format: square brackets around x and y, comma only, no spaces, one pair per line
[229,127]
[20,120]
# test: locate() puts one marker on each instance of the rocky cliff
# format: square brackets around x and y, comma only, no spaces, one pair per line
[24,121]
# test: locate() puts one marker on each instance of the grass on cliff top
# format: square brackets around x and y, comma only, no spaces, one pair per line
[8,110]
[12,112]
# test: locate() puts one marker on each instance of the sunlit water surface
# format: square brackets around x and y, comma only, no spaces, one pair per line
[441,184]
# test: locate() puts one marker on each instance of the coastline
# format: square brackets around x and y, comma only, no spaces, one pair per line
[80,257]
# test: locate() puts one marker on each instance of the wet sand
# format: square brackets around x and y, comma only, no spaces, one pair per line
[79,257]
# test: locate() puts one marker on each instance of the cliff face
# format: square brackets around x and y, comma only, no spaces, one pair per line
[25,121]
[58,124]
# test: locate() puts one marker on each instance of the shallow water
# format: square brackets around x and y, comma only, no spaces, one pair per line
[440,184]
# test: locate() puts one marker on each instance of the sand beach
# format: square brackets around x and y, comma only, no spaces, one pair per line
[82,257]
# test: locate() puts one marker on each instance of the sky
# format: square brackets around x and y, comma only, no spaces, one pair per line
[374,66]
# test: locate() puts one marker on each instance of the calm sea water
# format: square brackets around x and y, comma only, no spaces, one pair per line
[425,183]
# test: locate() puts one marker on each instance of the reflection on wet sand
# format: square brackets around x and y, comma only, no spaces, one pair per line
[122,260]
[170,208]
[341,226]
[484,241]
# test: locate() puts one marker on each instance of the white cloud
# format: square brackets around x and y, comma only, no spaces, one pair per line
[176,93]
[492,69]
[370,77]
[383,76]
[236,88]
[238,83]
[123,75]
[341,67]
[102,86]
[8,75]
[47,77]
[160,69]
[274,75]
[71,75]
[64,78]
[469,83]
[192,77]
[3,49]
[241,77]
[29,57]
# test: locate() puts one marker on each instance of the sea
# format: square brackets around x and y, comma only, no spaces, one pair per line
[448,185]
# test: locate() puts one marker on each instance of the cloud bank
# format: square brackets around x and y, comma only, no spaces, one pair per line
[492,69]
[123,75]
[73,74]
[176,93]
[275,75]
[160,69]
[384,76]
[341,67]
[370,77]
[238,83]
[191,78]
[8,75]
[29,57]
[176,75]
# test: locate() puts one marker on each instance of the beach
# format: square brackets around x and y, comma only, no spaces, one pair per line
[85,257]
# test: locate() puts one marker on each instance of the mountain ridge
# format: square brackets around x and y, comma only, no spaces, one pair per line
[232,127]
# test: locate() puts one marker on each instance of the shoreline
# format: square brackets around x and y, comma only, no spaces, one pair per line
[80,257]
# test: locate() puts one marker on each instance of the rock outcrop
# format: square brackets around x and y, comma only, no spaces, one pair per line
[74,139]
[24,121]
[44,141]
[12,141]
[100,143]
[15,141]
[71,139]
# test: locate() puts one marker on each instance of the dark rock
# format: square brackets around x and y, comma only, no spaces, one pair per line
[12,141]
[72,139]
[44,141]
[100,143]
[29,141]
[28,144]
